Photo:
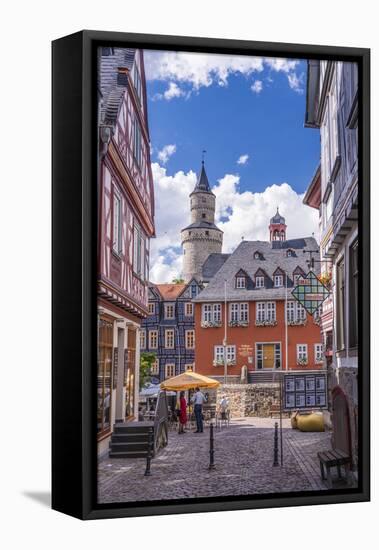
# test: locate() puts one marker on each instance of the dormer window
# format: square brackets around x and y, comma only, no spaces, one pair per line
[259,282]
[240,282]
[290,254]
[278,280]
[258,255]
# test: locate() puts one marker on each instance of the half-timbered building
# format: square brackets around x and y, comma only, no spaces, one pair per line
[125,226]
[169,330]
[332,108]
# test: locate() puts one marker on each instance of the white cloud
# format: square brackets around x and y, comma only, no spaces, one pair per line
[295,82]
[202,70]
[238,214]
[257,87]
[243,159]
[165,153]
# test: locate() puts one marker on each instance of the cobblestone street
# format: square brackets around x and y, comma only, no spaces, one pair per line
[243,459]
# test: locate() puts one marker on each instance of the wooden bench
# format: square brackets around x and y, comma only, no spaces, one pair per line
[331,459]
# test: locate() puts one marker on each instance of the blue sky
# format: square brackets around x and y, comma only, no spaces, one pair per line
[250,109]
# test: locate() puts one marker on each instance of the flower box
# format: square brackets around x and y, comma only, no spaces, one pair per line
[238,323]
[210,324]
[220,363]
[266,323]
[300,323]
[302,362]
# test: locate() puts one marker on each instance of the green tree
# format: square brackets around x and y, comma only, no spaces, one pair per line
[146,361]
[178,280]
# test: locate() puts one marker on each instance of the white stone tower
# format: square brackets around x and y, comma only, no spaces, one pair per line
[202,237]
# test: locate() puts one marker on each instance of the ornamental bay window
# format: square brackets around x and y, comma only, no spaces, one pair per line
[268,356]
[169,338]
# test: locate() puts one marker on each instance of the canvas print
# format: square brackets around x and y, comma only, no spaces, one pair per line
[227,284]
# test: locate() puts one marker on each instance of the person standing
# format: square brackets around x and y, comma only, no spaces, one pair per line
[183,413]
[198,400]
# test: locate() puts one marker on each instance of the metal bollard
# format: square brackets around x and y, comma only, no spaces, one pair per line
[276,448]
[211,449]
[149,453]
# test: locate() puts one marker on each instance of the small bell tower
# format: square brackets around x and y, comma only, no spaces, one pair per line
[277,227]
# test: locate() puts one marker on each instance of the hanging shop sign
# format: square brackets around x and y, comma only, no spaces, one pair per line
[311,293]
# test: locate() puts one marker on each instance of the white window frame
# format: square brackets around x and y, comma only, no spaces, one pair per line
[295,311]
[117,223]
[319,353]
[188,309]
[151,308]
[169,307]
[153,339]
[169,338]
[231,353]
[189,366]
[190,339]
[169,370]
[265,311]
[271,311]
[302,352]
[239,311]
[142,338]
[155,367]
[259,281]
[241,282]
[278,281]
[211,313]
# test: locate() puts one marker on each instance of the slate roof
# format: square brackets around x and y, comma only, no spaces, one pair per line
[202,185]
[278,218]
[274,255]
[202,225]
[113,84]
[212,264]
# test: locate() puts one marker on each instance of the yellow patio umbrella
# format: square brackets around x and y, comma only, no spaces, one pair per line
[187,381]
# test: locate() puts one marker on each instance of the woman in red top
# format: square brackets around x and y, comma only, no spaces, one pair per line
[183,412]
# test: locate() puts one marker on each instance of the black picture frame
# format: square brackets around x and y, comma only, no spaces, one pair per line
[74,208]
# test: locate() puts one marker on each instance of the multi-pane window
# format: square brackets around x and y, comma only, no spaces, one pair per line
[259,282]
[151,308]
[116,224]
[189,366]
[137,142]
[261,311]
[240,282]
[139,258]
[302,353]
[278,280]
[268,356]
[169,338]
[142,338]
[169,370]
[219,354]
[190,339]
[188,309]
[319,348]
[153,339]
[353,295]
[155,367]
[193,291]
[212,313]
[295,311]
[169,311]
[137,83]
[270,311]
[239,312]
[340,299]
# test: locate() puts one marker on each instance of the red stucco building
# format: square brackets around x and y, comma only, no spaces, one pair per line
[266,328]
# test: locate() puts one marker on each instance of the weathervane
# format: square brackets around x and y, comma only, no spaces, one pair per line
[202,155]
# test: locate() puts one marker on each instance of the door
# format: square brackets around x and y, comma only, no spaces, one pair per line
[341,422]
[269,356]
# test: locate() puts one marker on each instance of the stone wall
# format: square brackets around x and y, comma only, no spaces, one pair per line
[250,399]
